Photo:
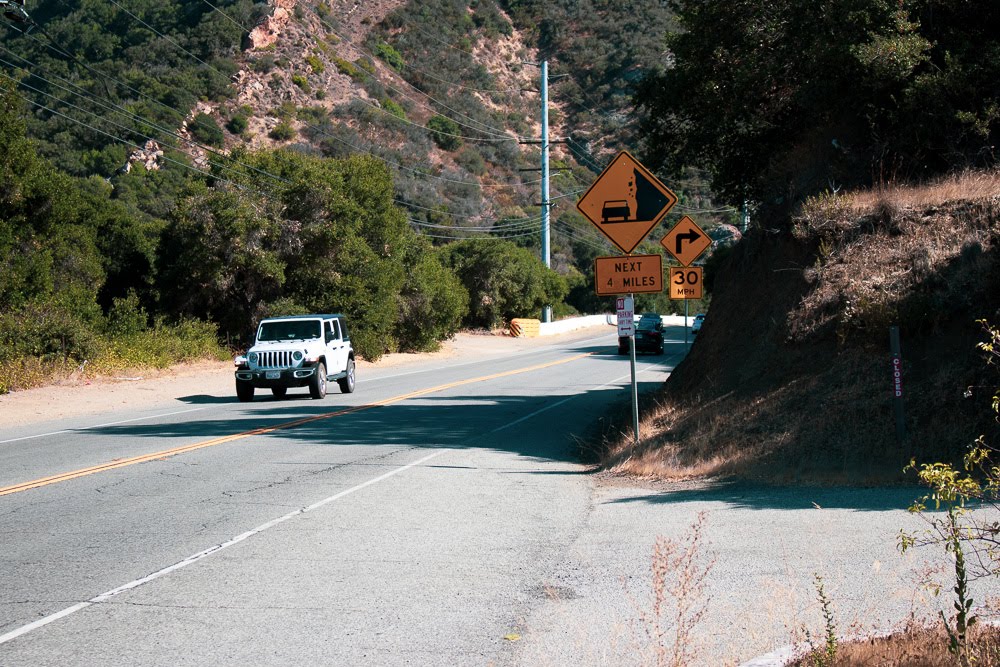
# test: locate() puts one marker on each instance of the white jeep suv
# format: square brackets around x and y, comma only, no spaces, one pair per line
[297,351]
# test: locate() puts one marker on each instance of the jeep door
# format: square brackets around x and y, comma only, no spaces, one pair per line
[337,349]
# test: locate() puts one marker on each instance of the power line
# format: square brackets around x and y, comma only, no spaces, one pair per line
[356,148]
[495,131]
[117,109]
[129,143]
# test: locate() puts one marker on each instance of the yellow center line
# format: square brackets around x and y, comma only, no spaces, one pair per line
[121,463]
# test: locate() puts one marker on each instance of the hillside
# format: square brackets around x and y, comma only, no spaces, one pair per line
[790,379]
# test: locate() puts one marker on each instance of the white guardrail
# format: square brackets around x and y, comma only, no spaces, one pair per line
[532,327]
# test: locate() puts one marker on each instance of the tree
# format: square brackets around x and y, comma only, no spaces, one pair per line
[432,303]
[782,99]
[220,258]
[503,280]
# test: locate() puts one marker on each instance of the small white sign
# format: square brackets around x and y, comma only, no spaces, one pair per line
[625,306]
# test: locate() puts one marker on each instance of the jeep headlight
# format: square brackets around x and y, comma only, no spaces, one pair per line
[253,357]
[296,356]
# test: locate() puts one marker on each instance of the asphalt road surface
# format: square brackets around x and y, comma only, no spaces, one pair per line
[437,516]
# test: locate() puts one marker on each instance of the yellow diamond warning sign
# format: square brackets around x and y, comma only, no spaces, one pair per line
[686,241]
[626,202]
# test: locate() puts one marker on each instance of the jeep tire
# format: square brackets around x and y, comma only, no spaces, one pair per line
[347,382]
[317,384]
[244,391]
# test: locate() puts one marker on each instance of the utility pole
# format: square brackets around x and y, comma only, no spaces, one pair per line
[547,309]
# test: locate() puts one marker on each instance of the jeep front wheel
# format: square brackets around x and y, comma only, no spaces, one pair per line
[347,382]
[244,391]
[317,385]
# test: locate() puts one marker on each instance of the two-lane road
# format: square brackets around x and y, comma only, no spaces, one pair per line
[437,516]
[415,521]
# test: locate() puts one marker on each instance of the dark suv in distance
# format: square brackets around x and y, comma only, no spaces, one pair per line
[648,335]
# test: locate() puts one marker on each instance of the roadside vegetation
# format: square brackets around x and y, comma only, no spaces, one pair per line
[800,325]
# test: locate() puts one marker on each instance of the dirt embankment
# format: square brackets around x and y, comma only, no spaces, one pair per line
[791,380]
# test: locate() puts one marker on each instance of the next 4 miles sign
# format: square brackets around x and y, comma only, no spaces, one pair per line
[629,274]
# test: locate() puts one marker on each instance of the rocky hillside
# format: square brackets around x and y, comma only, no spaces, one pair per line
[790,378]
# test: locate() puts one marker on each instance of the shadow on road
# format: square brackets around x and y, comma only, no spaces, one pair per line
[745,495]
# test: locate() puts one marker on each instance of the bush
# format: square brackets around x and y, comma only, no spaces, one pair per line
[470,160]
[301,81]
[350,69]
[126,317]
[503,280]
[283,131]
[445,133]
[205,130]
[393,108]
[316,64]
[390,55]
[433,304]
[238,124]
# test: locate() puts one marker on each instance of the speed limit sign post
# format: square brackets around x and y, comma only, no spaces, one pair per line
[686,282]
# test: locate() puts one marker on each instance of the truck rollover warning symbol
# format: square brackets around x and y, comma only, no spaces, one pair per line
[626,202]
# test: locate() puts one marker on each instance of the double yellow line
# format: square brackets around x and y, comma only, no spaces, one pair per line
[121,463]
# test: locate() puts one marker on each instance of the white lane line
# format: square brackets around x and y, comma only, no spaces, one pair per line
[87,428]
[194,558]
[570,398]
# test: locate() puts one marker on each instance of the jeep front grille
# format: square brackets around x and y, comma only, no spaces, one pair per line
[279,359]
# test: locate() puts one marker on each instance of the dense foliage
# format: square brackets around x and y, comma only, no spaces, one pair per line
[783,99]
[95,234]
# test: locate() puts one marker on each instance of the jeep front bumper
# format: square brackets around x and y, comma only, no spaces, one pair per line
[274,377]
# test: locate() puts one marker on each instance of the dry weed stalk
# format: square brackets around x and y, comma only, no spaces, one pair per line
[678,603]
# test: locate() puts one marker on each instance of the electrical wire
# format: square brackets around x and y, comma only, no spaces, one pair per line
[490,129]
[117,109]
[313,127]
[118,139]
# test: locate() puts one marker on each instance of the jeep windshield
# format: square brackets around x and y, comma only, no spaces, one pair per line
[290,330]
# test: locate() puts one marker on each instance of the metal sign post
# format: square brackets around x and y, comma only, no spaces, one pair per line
[685,322]
[635,388]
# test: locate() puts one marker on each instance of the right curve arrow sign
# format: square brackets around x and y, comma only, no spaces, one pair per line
[686,241]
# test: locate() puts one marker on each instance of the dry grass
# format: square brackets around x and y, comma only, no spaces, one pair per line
[965,186]
[680,571]
[803,397]
[913,647]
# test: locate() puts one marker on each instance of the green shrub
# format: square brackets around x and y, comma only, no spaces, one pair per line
[238,124]
[126,317]
[390,55]
[301,81]
[283,131]
[366,65]
[394,108]
[444,132]
[316,64]
[348,68]
[205,130]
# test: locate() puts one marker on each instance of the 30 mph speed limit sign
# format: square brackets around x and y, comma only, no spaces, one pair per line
[685,282]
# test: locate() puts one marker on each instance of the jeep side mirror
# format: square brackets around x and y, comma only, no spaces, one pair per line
[329,336]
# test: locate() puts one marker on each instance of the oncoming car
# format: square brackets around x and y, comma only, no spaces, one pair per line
[297,351]
[696,325]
